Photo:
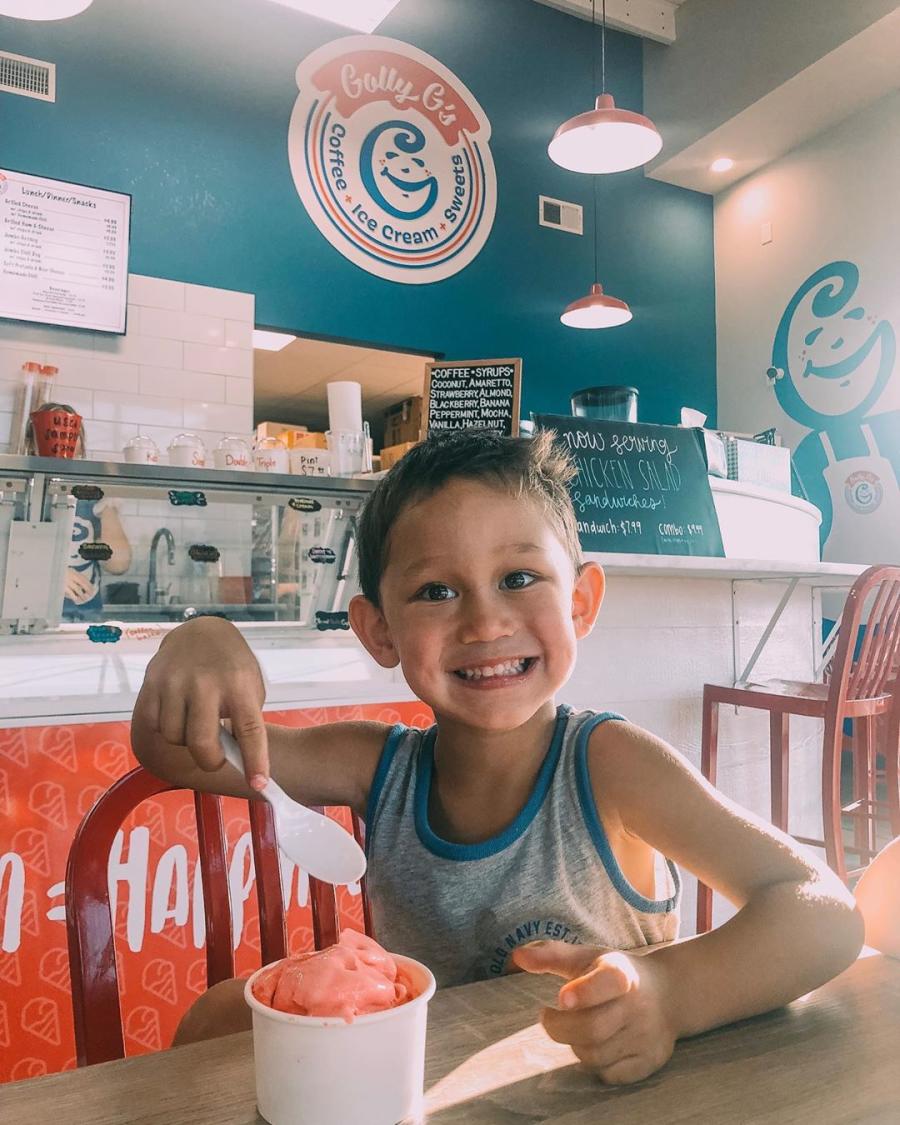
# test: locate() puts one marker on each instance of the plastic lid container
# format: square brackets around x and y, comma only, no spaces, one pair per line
[616,403]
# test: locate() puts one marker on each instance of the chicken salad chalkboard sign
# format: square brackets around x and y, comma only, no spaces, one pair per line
[640,489]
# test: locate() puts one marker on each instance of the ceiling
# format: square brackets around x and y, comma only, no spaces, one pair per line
[289,386]
[804,78]
[650,19]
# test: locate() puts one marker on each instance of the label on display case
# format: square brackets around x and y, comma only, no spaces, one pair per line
[103,634]
[87,492]
[473,394]
[185,499]
[203,552]
[640,489]
[95,552]
[304,504]
[325,620]
[63,252]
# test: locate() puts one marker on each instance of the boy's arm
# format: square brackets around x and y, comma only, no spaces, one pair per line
[203,672]
[796,925]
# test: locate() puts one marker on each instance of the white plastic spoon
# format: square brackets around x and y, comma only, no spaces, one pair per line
[317,844]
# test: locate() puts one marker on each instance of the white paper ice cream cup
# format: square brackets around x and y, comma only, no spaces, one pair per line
[314,1070]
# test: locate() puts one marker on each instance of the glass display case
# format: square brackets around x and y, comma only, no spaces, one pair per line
[103,543]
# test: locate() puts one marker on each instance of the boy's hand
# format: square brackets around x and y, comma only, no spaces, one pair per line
[612,1011]
[204,671]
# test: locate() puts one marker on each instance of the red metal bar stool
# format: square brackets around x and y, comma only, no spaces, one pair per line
[858,689]
[89,923]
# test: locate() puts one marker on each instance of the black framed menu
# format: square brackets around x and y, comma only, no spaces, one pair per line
[63,252]
[480,394]
[640,489]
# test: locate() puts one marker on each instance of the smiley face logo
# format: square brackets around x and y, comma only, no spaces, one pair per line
[402,186]
[864,492]
[837,356]
[389,153]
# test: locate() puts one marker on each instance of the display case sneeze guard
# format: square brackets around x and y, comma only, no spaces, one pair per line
[100,543]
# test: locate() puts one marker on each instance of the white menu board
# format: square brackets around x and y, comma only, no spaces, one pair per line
[63,252]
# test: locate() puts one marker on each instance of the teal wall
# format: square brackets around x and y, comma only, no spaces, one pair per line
[185,104]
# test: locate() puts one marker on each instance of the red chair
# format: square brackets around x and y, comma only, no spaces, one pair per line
[859,688]
[89,923]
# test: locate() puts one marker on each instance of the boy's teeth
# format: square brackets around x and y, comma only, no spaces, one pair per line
[509,668]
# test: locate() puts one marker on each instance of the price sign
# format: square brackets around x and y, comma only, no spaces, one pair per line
[63,252]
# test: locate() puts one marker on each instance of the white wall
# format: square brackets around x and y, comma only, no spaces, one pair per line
[185,363]
[833,199]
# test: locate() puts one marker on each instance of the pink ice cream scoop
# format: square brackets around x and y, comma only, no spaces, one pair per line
[352,978]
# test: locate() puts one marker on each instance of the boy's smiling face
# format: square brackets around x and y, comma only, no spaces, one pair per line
[480,605]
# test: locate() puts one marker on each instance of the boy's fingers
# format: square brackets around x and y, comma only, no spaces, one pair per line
[202,733]
[172,719]
[146,707]
[558,957]
[611,975]
[248,728]
[601,1054]
[584,1026]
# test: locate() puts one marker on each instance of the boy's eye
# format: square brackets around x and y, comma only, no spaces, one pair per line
[517,580]
[435,592]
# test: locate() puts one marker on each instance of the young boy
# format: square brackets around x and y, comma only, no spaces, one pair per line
[511,818]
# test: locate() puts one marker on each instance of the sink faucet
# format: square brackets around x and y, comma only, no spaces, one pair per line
[162,533]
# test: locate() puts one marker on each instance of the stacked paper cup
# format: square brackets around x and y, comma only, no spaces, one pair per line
[346,437]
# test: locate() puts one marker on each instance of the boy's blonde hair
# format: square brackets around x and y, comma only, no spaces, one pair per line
[533,467]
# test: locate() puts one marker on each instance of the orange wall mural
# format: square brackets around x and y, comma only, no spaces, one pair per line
[49,777]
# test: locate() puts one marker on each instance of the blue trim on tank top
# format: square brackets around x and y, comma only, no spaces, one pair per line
[381,771]
[598,834]
[484,848]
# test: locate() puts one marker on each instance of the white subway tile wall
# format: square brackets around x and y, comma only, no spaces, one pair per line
[143,382]
[185,363]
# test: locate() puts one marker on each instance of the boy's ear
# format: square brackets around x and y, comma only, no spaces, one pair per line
[368,623]
[587,597]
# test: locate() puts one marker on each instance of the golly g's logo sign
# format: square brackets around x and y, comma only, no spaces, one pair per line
[389,153]
[863,491]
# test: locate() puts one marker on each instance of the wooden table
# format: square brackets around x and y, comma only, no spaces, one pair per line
[833,1056]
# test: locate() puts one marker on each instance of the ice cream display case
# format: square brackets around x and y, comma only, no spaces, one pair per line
[96,542]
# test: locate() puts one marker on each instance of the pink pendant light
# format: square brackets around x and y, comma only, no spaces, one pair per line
[596,310]
[42,9]
[605,139]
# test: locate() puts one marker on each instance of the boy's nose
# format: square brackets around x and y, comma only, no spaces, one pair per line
[485,620]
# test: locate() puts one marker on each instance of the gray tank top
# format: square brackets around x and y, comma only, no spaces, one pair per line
[551,874]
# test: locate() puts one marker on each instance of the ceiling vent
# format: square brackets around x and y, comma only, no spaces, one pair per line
[29,77]
[560,215]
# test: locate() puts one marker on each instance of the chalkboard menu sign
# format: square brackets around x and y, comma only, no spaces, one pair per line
[640,489]
[481,394]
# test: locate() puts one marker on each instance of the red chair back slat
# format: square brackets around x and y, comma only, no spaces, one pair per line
[359,834]
[89,922]
[214,877]
[273,938]
[878,651]
[866,675]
